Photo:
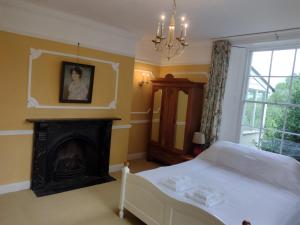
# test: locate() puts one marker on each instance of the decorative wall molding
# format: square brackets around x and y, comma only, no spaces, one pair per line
[126,126]
[147,62]
[30,132]
[15,132]
[141,113]
[178,123]
[139,121]
[33,103]
[29,19]
[146,112]
[140,155]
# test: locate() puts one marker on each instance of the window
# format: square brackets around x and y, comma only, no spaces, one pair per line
[271,115]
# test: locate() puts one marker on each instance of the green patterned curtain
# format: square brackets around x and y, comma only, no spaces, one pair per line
[212,111]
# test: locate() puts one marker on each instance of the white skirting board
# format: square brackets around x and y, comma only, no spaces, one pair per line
[140,155]
[7,188]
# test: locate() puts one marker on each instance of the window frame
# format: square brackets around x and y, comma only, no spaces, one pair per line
[246,75]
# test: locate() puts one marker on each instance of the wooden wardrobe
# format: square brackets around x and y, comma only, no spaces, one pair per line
[176,107]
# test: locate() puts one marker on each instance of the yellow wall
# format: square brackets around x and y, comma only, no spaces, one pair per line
[141,100]
[16,151]
[197,73]
[139,132]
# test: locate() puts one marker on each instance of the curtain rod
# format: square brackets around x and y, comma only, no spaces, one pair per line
[258,33]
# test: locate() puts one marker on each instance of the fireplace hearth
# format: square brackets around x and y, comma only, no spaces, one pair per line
[70,154]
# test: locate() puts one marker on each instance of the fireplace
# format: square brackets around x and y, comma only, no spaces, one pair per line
[70,154]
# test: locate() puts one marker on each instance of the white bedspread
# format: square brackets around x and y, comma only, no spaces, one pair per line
[265,198]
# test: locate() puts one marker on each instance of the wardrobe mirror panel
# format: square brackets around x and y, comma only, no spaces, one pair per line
[156,115]
[180,120]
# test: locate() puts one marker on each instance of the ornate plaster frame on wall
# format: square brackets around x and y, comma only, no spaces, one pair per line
[33,103]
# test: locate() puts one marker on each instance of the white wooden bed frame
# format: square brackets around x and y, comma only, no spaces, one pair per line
[153,207]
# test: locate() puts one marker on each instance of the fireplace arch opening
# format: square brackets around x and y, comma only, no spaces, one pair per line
[73,158]
[70,154]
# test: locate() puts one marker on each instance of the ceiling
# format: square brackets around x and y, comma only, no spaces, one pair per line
[207,18]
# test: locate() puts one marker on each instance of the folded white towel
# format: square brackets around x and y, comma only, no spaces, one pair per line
[204,193]
[205,196]
[179,183]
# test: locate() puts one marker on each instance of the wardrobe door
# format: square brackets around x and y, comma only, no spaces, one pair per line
[156,112]
[168,117]
[181,116]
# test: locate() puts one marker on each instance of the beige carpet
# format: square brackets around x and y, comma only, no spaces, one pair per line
[95,205]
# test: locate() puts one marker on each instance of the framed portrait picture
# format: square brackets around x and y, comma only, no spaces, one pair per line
[76,84]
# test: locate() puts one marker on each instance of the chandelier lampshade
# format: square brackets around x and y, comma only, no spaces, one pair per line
[166,42]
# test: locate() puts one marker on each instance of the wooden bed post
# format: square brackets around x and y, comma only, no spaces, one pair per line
[125,171]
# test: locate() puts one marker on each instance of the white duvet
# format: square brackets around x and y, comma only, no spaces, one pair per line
[258,186]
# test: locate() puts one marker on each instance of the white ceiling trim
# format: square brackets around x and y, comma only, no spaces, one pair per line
[32,20]
[199,73]
[147,62]
[29,19]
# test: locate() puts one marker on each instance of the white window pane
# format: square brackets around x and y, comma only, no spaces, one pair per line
[258,83]
[257,89]
[249,136]
[260,63]
[297,63]
[271,141]
[253,113]
[291,146]
[274,117]
[279,89]
[274,124]
[295,90]
[293,120]
[282,63]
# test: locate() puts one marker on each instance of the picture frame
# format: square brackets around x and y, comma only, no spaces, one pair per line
[76,85]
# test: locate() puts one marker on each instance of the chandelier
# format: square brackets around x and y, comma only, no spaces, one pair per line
[168,44]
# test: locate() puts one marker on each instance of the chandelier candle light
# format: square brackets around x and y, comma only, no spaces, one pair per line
[169,45]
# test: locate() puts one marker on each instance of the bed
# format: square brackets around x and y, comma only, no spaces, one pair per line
[260,187]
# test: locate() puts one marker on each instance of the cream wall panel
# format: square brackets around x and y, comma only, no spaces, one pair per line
[140,108]
[16,150]
[15,158]
[138,138]
[119,146]
[14,79]
[45,81]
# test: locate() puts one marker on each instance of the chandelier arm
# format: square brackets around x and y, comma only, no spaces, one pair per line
[170,46]
[174,5]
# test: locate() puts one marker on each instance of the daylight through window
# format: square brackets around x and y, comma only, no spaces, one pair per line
[271,115]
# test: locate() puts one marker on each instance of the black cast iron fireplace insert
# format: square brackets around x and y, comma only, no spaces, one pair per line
[70,154]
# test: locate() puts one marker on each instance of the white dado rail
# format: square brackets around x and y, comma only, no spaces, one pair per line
[30,132]
[15,132]
[141,113]
[33,103]
[133,122]
[146,112]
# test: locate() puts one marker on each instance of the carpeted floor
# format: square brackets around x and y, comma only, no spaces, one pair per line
[95,205]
